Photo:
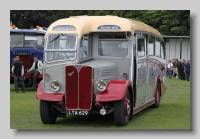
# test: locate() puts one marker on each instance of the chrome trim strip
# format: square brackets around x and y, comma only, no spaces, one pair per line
[78,84]
[131,65]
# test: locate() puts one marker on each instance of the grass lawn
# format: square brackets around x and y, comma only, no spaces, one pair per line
[173,113]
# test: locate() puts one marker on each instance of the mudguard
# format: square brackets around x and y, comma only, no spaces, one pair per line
[162,87]
[47,96]
[116,90]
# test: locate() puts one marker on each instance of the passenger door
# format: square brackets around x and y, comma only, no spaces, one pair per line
[155,65]
[141,81]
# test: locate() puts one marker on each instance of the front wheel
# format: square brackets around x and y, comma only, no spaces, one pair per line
[47,113]
[122,109]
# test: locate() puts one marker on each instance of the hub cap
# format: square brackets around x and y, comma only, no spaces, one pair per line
[127,107]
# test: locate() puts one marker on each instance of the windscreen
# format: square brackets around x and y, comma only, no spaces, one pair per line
[26,40]
[60,47]
[16,40]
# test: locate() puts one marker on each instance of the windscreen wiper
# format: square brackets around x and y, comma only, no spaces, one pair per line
[31,44]
[56,37]
[17,43]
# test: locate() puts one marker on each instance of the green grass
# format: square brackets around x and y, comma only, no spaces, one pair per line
[173,113]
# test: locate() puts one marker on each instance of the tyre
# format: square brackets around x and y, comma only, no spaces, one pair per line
[122,109]
[157,97]
[48,115]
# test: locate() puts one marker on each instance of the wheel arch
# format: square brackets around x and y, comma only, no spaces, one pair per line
[159,82]
[116,90]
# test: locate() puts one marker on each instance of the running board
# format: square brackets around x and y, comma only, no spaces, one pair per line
[138,109]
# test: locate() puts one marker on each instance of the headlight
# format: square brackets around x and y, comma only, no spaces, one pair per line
[55,86]
[101,85]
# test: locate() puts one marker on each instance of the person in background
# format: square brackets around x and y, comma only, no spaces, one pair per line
[13,61]
[182,72]
[36,69]
[169,68]
[11,67]
[18,73]
[187,70]
[174,68]
[179,66]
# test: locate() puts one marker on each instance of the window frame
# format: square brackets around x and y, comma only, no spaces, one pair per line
[153,45]
[164,49]
[24,41]
[89,46]
[60,50]
[144,46]
[159,40]
[146,36]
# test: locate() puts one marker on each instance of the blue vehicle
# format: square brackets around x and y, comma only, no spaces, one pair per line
[27,43]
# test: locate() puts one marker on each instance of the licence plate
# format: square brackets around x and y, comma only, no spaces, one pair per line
[74,112]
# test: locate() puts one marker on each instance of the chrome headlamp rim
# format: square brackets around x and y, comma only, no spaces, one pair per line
[59,86]
[105,85]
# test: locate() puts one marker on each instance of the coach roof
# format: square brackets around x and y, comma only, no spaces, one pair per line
[27,31]
[86,24]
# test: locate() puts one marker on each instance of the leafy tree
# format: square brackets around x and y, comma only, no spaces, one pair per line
[168,22]
[27,18]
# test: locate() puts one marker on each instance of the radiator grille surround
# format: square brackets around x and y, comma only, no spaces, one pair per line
[78,94]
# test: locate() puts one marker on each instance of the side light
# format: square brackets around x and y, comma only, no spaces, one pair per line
[125,76]
[46,75]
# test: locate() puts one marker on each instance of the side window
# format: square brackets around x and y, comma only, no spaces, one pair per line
[151,45]
[85,46]
[141,47]
[146,37]
[90,45]
[157,44]
[162,45]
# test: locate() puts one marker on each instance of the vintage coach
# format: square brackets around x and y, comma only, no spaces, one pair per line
[103,65]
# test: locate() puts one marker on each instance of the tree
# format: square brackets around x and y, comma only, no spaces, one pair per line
[168,22]
[26,18]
